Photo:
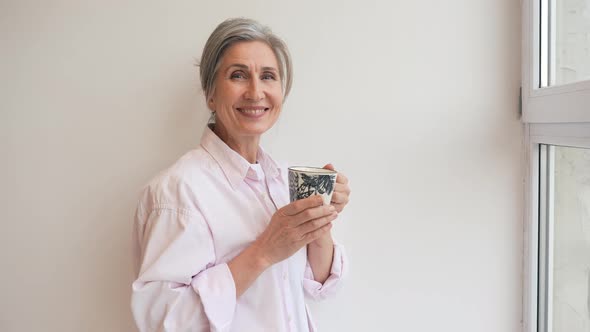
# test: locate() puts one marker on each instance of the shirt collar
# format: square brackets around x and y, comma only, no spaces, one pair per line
[233,165]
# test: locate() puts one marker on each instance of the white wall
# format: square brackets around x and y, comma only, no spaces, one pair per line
[414,101]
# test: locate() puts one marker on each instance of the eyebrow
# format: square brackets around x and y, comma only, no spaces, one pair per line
[243,66]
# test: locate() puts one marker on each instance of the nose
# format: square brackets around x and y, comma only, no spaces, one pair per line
[254,91]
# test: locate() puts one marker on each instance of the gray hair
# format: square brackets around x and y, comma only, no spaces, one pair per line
[236,30]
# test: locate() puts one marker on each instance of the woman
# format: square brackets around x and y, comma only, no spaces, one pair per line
[218,245]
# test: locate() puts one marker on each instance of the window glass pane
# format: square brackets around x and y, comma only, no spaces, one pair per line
[571,240]
[570,40]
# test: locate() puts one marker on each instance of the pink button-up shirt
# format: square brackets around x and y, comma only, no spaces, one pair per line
[195,217]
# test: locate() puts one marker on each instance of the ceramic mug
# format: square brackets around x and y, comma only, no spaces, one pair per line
[306,181]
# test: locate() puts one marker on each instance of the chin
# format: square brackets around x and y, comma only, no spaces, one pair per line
[250,131]
[256,129]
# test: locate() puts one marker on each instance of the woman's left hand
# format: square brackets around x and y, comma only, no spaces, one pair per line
[341,194]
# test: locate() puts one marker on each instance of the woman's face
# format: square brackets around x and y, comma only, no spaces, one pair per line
[248,94]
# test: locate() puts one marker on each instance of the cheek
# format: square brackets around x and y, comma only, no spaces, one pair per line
[277,99]
[277,104]
[224,101]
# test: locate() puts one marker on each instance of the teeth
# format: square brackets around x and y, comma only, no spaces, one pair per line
[249,111]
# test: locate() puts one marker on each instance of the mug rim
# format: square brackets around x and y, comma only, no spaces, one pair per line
[311,169]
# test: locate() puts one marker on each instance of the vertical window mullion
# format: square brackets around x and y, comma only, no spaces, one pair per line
[546,237]
[552,43]
[544,44]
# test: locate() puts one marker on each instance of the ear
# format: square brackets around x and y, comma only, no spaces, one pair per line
[211,104]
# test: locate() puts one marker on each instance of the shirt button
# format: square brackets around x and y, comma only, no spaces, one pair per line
[285,276]
[289,318]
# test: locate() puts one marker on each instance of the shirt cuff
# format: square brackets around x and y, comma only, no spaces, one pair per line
[318,291]
[217,290]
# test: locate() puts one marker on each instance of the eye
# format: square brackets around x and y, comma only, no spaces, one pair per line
[268,76]
[238,75]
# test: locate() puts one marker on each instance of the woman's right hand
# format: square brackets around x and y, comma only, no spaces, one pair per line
[294,226]
[290,228]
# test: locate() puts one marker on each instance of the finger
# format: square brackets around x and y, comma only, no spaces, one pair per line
[339,198]
[330,167]
[301,205]
[343,188]
[341,178]
[338,207]
[312,236]
[312,225]
[311,214]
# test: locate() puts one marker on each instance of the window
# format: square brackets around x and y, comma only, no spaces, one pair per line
[556,116]
[564,239]
[556,61]
[557,228]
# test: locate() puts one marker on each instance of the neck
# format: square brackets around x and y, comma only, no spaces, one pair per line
[246,146]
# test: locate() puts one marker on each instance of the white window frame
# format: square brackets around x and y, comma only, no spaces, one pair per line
[555,115]
[572,135]
[554,104]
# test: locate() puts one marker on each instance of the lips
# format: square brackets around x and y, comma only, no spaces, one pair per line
[253,111]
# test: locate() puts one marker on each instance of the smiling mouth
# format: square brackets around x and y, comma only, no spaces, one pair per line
[253,111]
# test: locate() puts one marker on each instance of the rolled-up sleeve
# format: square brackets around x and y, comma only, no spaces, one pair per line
[318,291]
[178,286]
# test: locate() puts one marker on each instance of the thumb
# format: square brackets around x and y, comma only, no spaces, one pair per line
[329,166]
